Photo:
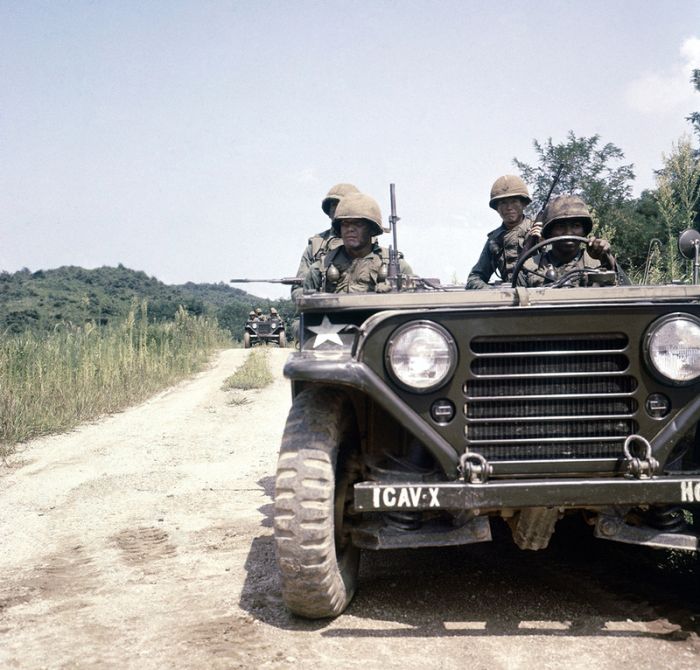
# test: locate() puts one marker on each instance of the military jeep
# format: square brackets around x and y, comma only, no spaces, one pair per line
[263,331]
[420,416]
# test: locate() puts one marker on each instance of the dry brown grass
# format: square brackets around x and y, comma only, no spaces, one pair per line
[52,383]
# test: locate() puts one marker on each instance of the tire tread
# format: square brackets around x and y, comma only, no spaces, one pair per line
[314,583]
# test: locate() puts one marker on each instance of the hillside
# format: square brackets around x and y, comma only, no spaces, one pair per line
[42,300]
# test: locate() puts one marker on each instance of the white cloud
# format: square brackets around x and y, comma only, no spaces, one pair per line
[306,176]
[658,92]
[690,50]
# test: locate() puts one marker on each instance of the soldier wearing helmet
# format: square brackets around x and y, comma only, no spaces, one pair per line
[359,264]
[322,242]
[273,312]
[567,215]
[259,315]
[509,197]
[251,315]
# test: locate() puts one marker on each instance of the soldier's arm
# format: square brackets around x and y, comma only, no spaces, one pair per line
[482,271]
[600,250]
[312,281]
[305,262]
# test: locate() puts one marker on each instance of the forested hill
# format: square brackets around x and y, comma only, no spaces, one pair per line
[73,295]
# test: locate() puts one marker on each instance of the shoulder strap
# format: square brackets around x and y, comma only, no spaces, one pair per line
[330,256]
[317,243]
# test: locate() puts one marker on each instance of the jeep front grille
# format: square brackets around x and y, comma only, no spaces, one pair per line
[549,397]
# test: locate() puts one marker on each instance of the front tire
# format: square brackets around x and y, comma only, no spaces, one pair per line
[246,340]
[316,470]
[283,340]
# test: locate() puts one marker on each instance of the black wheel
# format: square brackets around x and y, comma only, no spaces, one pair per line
[313,501]
[246,340]
[283,340]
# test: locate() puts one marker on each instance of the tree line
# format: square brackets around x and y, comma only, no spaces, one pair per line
[47,300]
[642,230]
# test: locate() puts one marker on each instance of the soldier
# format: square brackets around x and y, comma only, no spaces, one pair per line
[273,313]
[259,315]
[567,215]
[323,242]
[251,316]
[359,265]
[509,197]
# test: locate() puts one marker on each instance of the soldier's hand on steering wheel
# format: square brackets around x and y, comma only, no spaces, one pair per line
[598,247]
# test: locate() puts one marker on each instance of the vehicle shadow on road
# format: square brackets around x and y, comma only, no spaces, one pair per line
[578,586]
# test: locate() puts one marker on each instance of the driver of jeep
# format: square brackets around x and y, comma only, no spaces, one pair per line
[567,215]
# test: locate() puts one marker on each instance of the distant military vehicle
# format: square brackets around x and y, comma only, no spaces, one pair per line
[269,329]
[420,415]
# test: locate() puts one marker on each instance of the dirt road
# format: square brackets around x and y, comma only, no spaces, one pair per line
[145,541]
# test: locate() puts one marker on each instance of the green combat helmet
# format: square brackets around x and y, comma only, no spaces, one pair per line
[359,206]
[508,186]
[566,207]
[251,314]
[335,194]
[258,311]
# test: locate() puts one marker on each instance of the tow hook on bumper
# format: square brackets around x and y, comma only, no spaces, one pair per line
[641,466]
[474,468]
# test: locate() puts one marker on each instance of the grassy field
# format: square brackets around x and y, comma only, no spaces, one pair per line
[50,383]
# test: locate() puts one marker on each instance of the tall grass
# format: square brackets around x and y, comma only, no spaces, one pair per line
[52,382]
[255,373]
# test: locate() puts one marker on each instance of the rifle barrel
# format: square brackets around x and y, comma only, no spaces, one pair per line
[555,181]
[289,281]
[393,217]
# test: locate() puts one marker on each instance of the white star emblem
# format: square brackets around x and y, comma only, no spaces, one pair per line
[327,332]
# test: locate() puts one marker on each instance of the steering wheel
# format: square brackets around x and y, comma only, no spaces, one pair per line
[533,250]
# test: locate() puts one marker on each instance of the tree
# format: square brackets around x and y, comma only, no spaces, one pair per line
[233,316]
[595,172]
[587,171]
[694,117]
[678,196]
[634,226]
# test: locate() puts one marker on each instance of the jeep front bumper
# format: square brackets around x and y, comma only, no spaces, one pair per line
[383,497]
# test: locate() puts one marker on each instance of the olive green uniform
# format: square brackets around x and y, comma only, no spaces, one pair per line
[547,262]
[499,255]
[317,247]
[322,243]
[357,275]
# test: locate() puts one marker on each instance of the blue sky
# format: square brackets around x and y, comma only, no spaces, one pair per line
[195,140]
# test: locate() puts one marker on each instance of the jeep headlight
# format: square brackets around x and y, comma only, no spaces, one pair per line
[255,326]
[673,348]
[421,356]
